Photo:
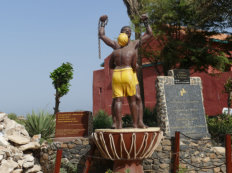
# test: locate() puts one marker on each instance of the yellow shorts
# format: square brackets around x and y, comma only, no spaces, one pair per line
[124,82]
[136,79]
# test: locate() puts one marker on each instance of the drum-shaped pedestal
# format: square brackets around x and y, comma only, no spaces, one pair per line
[128,146]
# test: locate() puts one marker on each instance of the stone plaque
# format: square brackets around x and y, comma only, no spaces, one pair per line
[185,109]
[181,76]
[73,124]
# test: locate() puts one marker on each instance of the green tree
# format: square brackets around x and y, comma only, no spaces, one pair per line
[133,10]
[183,28]
[61,78]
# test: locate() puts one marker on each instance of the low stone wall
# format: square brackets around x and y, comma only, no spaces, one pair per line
[196,156]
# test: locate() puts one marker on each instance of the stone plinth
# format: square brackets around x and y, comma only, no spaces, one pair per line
[180,107]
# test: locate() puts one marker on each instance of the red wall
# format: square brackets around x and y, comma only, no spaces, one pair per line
[213,91]
[213,86]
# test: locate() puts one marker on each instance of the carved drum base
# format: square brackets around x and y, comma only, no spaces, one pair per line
[127,147]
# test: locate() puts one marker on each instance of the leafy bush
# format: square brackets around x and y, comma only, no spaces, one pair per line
[41,123]
[127,121]
[182,170]
[14,117]
[68,167]
[219,125]
[102,120]
[150,117]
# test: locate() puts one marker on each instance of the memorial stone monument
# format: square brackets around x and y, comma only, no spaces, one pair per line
[180,104]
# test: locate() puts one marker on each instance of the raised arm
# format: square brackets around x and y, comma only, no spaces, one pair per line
[102,35]
[148,34]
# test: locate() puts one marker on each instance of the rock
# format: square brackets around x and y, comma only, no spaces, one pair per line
[3,142]
[166,142]
[17,157]
[17,171]
[31,145]
[163,166]
[28,164]
[35,168]
[12,158]
[220,150]
[206,159]
[28,158]
[2,116]
[8,166]
[36,138]
[196,159]
[1,127]
[18,139]
[16,132]
[1,157]
[20,163]
[45,156]
[216,169]
[10,124]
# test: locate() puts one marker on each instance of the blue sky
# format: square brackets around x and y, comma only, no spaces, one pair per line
[36,37]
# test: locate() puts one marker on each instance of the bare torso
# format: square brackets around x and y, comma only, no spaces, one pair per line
[125,56]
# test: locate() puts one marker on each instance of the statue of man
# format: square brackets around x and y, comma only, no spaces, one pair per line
[124,79]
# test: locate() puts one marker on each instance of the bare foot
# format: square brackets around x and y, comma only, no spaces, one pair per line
[141,125]
[119,126]
[113,126]
[135,126]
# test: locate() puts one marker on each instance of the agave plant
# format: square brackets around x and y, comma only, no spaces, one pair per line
[42,123]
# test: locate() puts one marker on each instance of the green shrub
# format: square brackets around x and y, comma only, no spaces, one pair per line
[182,170]
[102,120]
[149,117]
[68,167]
[127,121]
[41,123]
[14,117]
[219,125]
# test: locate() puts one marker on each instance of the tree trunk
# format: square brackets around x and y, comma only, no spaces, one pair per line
[133,7]
[57,103]
[229,101]
[140,69]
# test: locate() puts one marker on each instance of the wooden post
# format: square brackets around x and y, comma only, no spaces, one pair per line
[89,159]
[228,154]
[58,160]
[176,152]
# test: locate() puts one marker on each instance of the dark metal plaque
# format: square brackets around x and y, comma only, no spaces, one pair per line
[185,110]
[181,76]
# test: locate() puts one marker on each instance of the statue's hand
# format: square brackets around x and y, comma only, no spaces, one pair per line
[103,18]
[144,17]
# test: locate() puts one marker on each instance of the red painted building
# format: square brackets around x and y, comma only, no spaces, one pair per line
[213,87]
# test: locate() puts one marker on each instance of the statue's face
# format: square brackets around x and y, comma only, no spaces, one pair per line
[127,31]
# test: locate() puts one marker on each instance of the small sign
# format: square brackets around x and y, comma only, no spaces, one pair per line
[72,124]
[181,76]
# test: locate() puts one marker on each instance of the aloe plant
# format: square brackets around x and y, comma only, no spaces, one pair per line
[42,123]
